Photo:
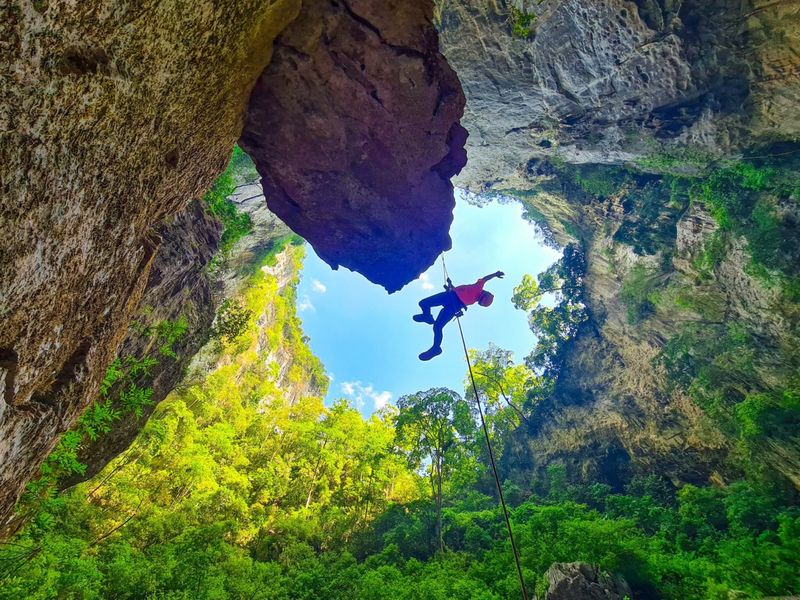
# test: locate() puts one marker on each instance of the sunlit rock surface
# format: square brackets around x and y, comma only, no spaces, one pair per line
[354,128]
[607,82]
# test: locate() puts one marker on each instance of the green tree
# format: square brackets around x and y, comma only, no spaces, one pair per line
[554,326]
[504,388]
[430,426]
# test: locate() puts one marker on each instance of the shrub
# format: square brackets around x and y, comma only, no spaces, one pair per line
[521,22]
[235,224]
[231,322]
[638,293]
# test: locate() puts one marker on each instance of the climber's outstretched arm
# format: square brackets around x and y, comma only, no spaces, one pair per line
[498,274]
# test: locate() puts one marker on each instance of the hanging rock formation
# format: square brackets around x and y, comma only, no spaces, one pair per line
[354,128]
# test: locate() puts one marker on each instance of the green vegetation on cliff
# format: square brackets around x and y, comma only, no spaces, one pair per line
[241,487]
[235,224]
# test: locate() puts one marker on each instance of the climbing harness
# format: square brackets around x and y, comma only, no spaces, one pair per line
[489,448]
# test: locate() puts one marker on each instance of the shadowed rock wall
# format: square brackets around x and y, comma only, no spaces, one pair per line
[354,128]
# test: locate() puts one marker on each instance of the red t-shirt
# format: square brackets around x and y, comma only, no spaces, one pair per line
[469,294]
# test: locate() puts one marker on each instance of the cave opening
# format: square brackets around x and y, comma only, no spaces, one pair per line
[225,417]
[367,340]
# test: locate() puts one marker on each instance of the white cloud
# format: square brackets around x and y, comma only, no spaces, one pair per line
[360,393]
[305,304]
[382,399]
[426,282]
[318,286]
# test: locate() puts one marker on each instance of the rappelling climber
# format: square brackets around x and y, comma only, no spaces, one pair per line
[454,300]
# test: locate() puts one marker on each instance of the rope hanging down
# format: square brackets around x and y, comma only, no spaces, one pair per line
[491,452]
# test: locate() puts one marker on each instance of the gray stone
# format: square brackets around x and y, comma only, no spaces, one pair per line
[581,581]
[609,82]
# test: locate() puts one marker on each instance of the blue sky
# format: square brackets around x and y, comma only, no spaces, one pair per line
[366,338]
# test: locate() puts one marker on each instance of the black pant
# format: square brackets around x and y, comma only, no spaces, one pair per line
[450,304]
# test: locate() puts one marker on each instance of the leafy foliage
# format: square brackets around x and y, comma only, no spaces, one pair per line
[121,375]
[504,388]
[521,21]
[749,200]
[718,365]
[554,326]
[231,322]
[430,426]
[638,292]
[599,181]
[235,224]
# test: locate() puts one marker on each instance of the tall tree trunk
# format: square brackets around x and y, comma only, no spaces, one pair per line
[439,538]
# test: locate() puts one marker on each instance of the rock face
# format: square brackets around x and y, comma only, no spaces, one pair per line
[606,82]
[354,128]
[580,581]
[615,413]
[182,288]
[178,288]
[114,116]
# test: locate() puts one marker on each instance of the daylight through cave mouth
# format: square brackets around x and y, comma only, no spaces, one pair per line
[366,338]
[194,405]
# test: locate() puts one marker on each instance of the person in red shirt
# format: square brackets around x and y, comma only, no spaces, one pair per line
[452,301]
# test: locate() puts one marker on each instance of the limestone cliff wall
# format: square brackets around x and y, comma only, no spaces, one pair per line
[615,413]
[178,289]
[612,81]
[184,286]
[114,116]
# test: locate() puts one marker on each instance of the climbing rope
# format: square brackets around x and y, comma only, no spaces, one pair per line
[491,452]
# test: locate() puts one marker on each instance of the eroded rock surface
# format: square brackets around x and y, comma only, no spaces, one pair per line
[612,81]
[178,289]
[615,412]
[354,128]
[114,116]
[581,581]
[615,82]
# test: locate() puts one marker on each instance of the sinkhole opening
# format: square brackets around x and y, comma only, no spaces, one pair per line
[367,339]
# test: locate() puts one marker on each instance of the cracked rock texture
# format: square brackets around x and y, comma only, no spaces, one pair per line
[614,413]
[354,129]
[113,116]
[612,81]
[582,581]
